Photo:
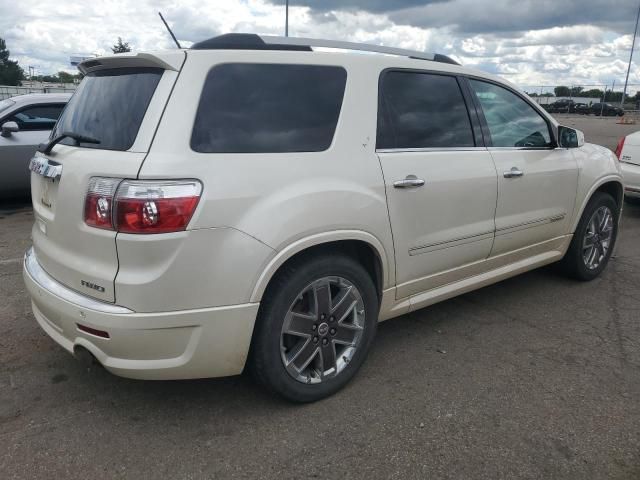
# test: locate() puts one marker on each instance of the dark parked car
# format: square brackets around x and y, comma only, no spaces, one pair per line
[606,109]
[565,106]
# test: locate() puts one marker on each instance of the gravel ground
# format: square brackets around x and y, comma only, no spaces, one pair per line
[534,377]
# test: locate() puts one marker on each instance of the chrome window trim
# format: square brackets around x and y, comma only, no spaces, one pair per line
[431,149]
[46,282]
[551,147]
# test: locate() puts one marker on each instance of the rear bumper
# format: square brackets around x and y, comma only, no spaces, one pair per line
[208,342]
[631,175]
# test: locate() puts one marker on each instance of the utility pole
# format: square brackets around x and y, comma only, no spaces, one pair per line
[286,20]
[633,44]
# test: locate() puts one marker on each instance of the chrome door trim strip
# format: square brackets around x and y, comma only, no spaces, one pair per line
[530,224]
[432,247]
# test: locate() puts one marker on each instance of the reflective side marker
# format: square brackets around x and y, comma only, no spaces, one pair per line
[93,331]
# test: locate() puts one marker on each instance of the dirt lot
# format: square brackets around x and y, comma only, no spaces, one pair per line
[535,377]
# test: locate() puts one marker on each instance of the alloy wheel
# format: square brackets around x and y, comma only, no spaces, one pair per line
[322,330]
[597,238]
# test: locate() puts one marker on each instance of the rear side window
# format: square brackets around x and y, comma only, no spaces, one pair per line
[512,121]
[422,110]
[109,105]
[268,108]
[37,117]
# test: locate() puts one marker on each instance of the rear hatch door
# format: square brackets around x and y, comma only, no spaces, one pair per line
[119,103]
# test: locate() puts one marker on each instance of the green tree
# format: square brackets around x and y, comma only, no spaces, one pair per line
[576,91]
[10,71]
[65,77]
[121,47]
[593,93]
[562,91]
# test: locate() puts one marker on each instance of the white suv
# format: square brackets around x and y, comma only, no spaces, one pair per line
[251,201]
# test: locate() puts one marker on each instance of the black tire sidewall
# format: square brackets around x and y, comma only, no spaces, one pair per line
[266,359]
[577,264]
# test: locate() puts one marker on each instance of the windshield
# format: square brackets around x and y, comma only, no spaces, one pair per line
[109,105]
[4,104]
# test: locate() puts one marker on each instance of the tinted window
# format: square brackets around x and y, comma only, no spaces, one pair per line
[38,117]
[109,105]
[512,121]
[420,110]
[250,108]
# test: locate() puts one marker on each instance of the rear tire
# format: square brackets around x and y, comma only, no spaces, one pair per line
[315,326]
[593,240]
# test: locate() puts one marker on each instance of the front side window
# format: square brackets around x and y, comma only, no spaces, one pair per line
[511,120]
[422,110]
[268,108]
[37,117]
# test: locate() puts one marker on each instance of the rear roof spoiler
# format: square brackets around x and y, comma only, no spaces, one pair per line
[167,60]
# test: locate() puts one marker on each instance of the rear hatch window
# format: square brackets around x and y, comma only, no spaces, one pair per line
[109,106]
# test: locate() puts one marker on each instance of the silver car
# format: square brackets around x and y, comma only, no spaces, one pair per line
[25,121]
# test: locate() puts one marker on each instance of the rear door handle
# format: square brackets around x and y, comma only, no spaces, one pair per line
[411,181]
[513,173]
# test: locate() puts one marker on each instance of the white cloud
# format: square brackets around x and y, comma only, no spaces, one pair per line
[45,33]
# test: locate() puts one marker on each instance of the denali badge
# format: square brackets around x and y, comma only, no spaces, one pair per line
[92,285]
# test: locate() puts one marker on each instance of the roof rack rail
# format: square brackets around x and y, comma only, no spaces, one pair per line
[251,41]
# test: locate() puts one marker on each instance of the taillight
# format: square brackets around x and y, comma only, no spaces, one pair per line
[155,207]
[98,204]
[140,206]
[620,147]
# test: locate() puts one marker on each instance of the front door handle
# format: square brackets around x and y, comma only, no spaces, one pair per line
[411,181]
[513,173]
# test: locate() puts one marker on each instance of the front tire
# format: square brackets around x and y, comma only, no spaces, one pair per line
[594,238]
[315,326]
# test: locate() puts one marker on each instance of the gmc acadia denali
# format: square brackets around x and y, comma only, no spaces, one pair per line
[251,201]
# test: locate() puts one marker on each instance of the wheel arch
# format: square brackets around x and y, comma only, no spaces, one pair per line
[362,245]
[612,185]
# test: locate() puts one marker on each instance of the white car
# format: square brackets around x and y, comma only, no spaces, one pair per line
[25,122]
[628,152]
[251,201]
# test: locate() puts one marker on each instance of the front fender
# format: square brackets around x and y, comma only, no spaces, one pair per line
[597,166]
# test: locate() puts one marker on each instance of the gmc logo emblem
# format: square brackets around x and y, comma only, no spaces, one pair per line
[93,286]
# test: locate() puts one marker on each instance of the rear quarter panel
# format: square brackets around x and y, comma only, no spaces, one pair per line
[279,199]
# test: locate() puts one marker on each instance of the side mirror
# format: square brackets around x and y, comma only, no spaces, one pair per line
[570,137]
[8,128]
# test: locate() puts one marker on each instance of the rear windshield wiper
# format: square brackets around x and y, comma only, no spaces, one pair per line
[46,147]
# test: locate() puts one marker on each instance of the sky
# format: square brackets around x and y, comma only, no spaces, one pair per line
[529,42]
